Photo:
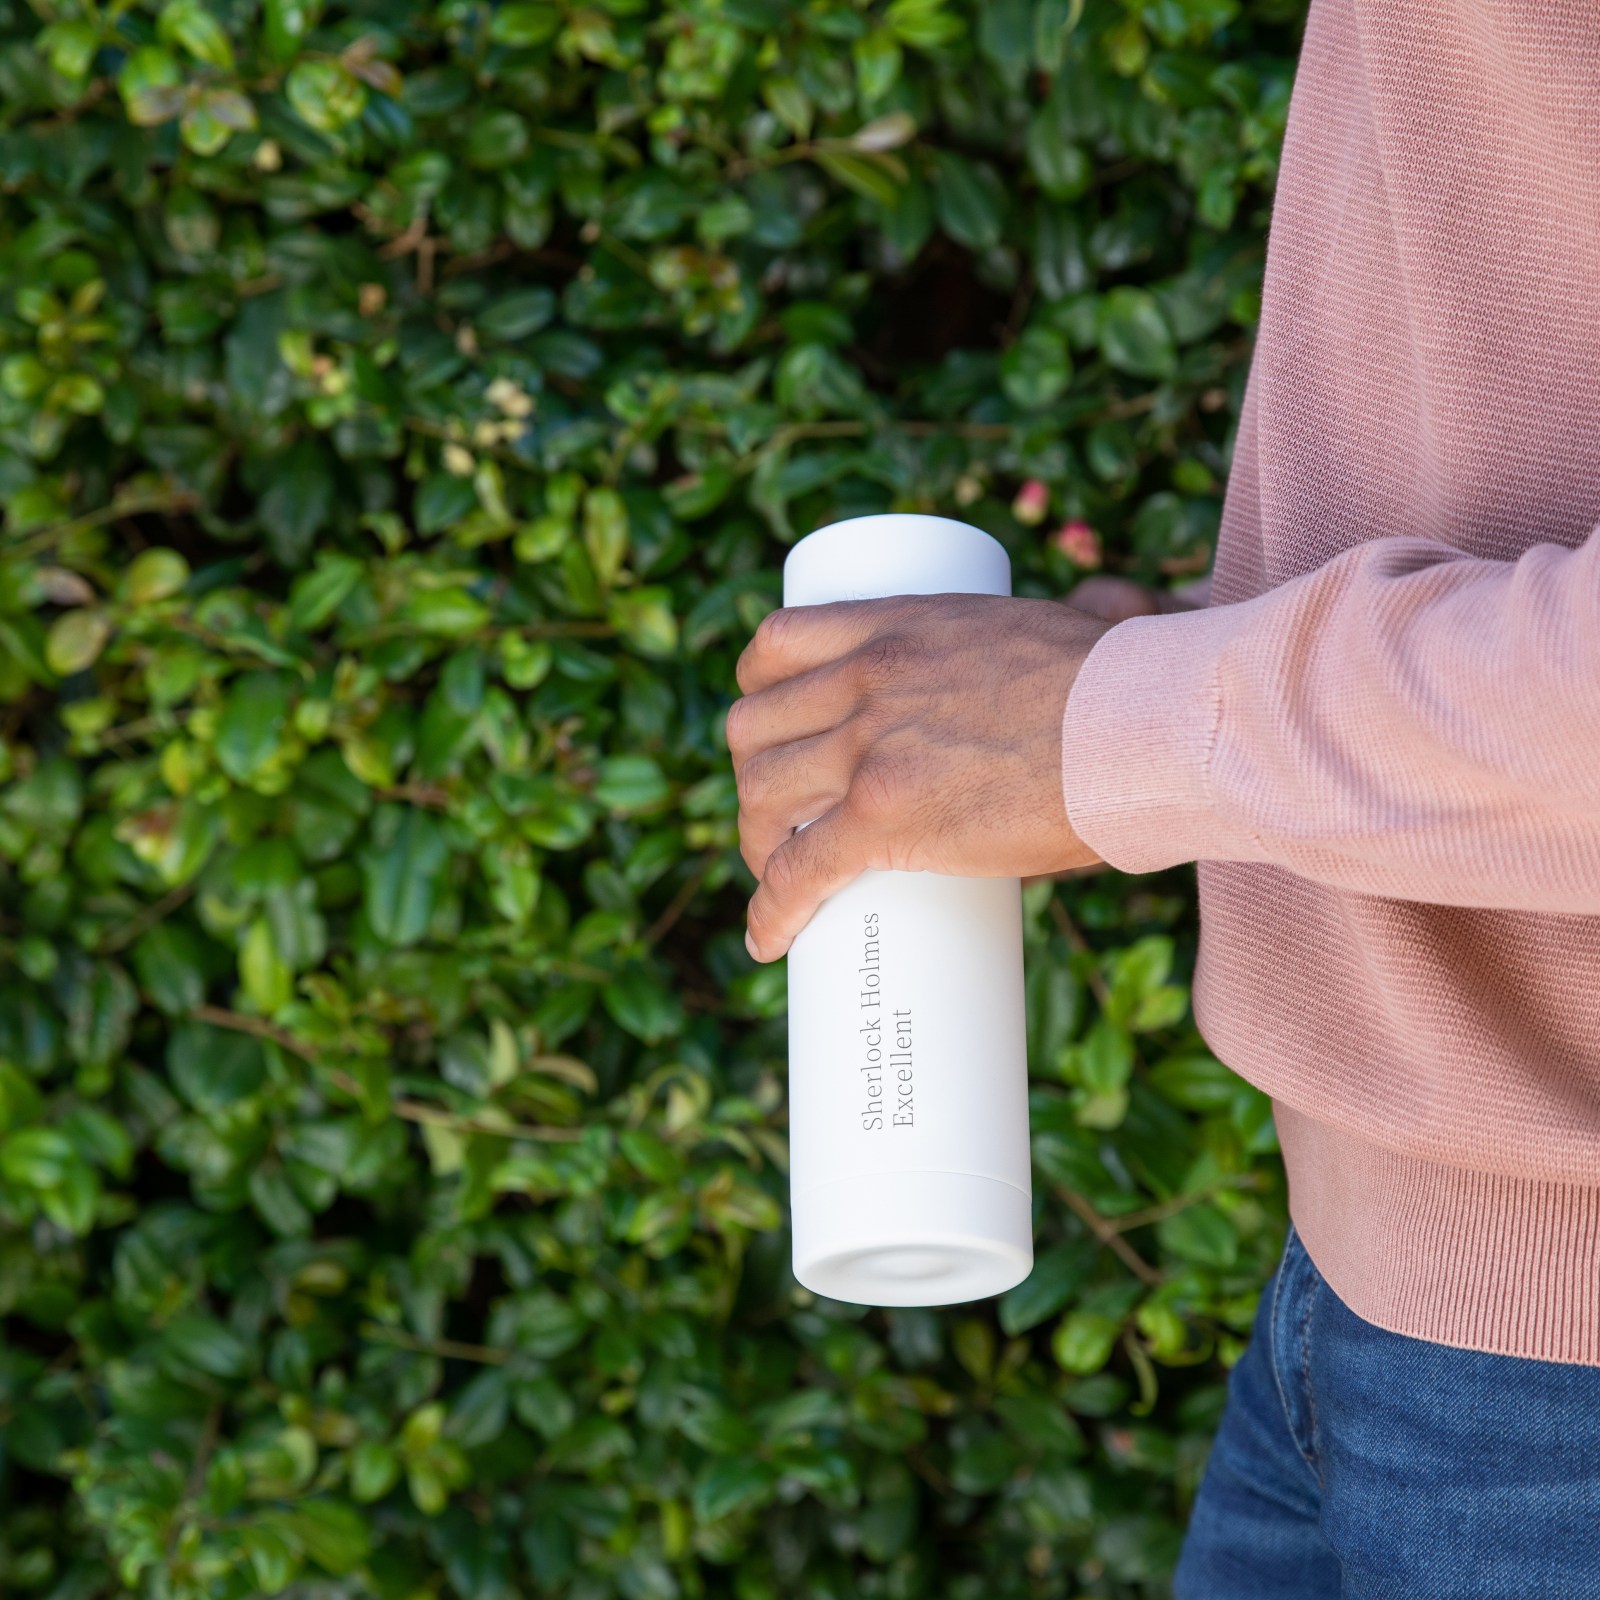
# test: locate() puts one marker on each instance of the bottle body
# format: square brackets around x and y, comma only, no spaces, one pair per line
[908,1112]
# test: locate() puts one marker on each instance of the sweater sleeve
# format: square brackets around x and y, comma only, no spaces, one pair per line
[1405,721]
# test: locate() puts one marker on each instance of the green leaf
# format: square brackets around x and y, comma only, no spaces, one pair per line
[924,24]
[1036,370]
[631,784]
[1195,1082]
[298,501]
[253,722]
[196,1343]
[317,594]
[151,85]
[1104,1060]
[525,25]
[187,24]
[1058,1274]
[872,177]
[277,1204]
[969,199]
[877,56]
[789,104]
[1084,1340]
[731,1484]
[154,575]
[1200,1233]
[267,979]
[403,872]
[446,613]
[325,95]
[1063,169]
[642,1005]
[605,533]
[214,1067]
[75,640]
[287,23]
[374,1470]
[517,315]
[644,619]
[1134,336]
[337,1537]
[497,139]
[36,1158]
[70,46]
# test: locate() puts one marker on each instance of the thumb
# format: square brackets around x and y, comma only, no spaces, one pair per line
[1114,599]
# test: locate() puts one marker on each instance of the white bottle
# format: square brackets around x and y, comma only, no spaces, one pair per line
[908,1087]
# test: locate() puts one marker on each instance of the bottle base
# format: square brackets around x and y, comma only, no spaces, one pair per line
[912,1238]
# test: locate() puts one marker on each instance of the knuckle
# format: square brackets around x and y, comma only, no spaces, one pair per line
[736,727]
[765,645]
[783,874]
[879,790]
[753,782]
[773,632]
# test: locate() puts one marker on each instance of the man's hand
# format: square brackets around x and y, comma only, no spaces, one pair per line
[1117,599]
[918,734]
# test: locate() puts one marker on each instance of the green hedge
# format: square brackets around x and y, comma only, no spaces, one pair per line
[404,407]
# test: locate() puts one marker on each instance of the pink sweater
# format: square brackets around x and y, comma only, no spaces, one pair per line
[1382,740]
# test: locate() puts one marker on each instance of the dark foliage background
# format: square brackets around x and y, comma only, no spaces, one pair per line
[404,407]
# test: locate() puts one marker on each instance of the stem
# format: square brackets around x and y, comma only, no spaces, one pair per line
[447,1349]
[680,901]
[121,937]
[137,505]
[1182,1202]
[407,1110]
[1107,1234]
[1076,942]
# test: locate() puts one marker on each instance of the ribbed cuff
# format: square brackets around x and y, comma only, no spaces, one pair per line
[1137,739]
[1476,1260]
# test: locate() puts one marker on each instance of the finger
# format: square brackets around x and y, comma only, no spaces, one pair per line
[789,784]
[800,874]
[797,638]
[796,708]
[1113,599]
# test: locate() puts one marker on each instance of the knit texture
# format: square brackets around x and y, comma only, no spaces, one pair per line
[1382,742]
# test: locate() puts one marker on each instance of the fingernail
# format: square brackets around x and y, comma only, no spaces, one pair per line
[750,945]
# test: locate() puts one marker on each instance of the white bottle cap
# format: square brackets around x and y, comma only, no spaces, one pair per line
[895,552]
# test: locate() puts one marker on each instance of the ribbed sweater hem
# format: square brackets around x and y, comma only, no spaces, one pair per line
[1480,1261]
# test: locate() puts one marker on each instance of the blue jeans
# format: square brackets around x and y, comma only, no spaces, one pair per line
[1355,1464]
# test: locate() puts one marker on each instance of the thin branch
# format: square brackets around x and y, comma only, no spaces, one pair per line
[195,1482]
[133,506]
[121,937]
[447,1349]
[421,1111]
[1076,942]
[1106,1232]
[680,902]
[1179,1202]
[239,1022]
[432,795]
[407,1110]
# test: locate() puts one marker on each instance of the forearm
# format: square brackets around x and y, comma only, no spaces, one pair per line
[1406,721]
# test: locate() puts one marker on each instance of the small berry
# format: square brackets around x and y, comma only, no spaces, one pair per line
[1032,503]
[1079,543]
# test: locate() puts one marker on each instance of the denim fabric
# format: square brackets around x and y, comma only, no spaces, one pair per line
[1356,1464]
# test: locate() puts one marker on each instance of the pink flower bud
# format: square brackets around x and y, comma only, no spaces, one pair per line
[1079,543]
[1032,502]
